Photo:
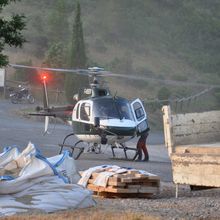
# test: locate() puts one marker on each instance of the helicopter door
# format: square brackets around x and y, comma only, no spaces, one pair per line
[85,116]
[140,115]
[85,111]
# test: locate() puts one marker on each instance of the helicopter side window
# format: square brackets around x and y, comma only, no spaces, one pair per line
[85,112]
[77,112]
[139,112]
[102,92]
[124,110]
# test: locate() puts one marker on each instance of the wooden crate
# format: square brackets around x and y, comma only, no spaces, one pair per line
[193,143]
[129,184]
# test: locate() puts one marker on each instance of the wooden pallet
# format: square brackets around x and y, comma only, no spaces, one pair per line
[129,184]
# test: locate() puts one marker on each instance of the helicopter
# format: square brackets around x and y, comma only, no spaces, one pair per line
[98,119]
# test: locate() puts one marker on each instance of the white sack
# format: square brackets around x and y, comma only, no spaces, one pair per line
[43,181]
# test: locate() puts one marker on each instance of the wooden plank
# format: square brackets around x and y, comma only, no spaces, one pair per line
[167,123]
[131,180]
[193,164]
[134,172]
[140,175]
[190,128]
[115,183]
[196,169]
[143,183]
[122,190]
[199,149]
[149,176]
[195,159]
[126,175]
[155,183]
[133,186]
[130,189]
[195,127]
[109,183]
[153,177]
[190,136]
[110,189]
[94,188]
[114,179]
[95,174]
[187,140]
[196,118]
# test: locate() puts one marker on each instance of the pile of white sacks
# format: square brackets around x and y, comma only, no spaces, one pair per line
[29,181]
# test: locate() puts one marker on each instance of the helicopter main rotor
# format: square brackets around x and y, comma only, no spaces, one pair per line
[97,72]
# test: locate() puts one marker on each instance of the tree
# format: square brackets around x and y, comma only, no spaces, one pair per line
[77,57]
[78,54]
[55,57]
[58,22]
[26,75]
[10,32]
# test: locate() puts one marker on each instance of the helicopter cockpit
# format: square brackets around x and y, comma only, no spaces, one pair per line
[104,108]
[108,107]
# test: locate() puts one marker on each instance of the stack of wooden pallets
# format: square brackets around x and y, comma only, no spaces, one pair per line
[129,184]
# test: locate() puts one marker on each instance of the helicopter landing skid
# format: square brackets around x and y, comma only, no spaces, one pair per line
[125,149]
[96,148]
[80,148]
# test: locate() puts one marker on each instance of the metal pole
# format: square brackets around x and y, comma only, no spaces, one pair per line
[177,190]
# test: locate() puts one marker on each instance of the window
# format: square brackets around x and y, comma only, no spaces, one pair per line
[77,111]
[139,111]
[107,108]
[85,112]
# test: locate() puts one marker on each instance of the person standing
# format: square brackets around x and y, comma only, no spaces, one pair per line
[141,147]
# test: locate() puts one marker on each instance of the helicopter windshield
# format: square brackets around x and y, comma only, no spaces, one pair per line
[112,108]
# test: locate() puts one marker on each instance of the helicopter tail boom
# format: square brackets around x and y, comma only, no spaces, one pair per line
[43,114]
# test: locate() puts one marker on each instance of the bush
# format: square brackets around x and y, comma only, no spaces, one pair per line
[164,94]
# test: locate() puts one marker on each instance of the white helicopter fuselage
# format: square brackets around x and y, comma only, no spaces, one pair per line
[117,121]
[127,128]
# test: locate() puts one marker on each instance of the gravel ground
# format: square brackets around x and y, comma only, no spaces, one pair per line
[202,204]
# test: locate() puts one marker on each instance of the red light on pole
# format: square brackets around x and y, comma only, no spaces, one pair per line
[44,77]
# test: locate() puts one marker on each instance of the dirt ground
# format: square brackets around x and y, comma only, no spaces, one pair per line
[203,204]
[200,204]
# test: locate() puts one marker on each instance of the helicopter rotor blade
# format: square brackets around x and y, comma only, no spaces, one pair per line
[164,81]
[77,71]
[92,71]
[96,71]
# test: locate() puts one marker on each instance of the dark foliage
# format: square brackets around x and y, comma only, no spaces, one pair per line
[10,32]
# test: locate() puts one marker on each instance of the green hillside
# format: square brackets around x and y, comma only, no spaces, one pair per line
[163,39]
